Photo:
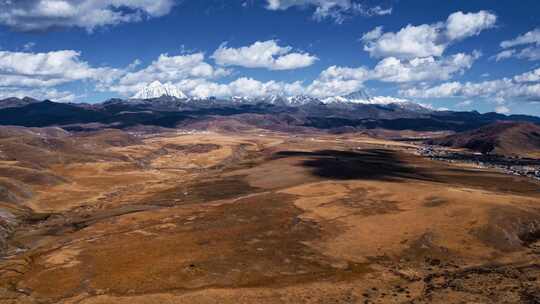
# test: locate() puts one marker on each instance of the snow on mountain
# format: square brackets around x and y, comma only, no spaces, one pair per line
[297,100]
[361,97]
[302,100]
[156,89]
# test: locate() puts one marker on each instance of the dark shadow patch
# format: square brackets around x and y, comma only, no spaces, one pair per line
[202,192]
[193,148]
[370,164]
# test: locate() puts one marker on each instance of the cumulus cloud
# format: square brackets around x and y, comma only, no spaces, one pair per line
[241,87]
[524,87]
[531,76]
[23,69]
[167,69]
[526,46]
[39,15]
[253,88]
[330,82]
[337,80]
[38,74]
[409,42]
[263,54]
[197,78]
[392,69]
[426,39]
[337,10]
[461,25]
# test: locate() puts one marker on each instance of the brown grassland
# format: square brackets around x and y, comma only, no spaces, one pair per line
[259,217]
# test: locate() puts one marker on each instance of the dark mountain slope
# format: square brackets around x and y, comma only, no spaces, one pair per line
[504,138]
[171,113]
[48,113]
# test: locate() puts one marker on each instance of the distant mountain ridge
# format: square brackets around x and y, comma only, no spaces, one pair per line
[347,113]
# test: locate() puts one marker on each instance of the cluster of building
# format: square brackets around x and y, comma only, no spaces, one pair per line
[510,165]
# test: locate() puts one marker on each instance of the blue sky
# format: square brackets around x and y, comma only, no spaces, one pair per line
[461,55]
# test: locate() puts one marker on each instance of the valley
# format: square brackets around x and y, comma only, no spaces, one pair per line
[257,216]
[269,152]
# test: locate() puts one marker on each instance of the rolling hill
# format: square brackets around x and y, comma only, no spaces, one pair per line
[503,138]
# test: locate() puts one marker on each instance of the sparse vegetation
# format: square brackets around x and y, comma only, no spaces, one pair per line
[259,217]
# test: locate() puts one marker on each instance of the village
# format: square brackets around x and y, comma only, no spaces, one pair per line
[527,167]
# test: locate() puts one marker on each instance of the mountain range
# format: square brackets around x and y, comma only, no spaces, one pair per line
[156,90]
[163,105]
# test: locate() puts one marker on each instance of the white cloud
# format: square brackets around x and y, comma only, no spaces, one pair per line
[39,15]
[524,87]
[167,69]
[409,42]
[338,10]
[37,74]
[392,69]
[191,74]
[242,87]
[502,109]
[22,69]
[447,89]
[461,25]
[529,44]
[531,53]
[337,80]
[265,54]
[532,76]
[197,78]
[252,88]
[504,55]
[532,37]
[374,34]
[331,82]
[426,39]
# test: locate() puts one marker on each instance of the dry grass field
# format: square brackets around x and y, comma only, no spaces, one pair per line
[258,218]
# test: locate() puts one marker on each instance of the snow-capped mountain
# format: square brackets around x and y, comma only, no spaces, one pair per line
[299,100]
[156,89]
[361,97]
